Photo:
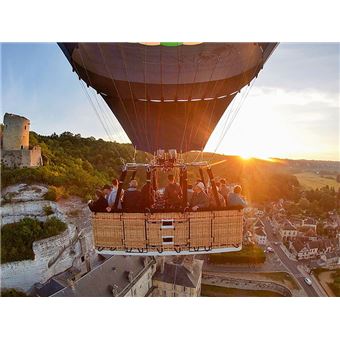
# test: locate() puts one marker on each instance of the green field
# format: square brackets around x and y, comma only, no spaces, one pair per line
[311,180]
[216,291]
[248,255]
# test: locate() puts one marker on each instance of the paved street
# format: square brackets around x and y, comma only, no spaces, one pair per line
[291,265]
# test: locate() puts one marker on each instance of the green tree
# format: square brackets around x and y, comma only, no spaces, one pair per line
[304,203]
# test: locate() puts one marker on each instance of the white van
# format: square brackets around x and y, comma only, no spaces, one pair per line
[308,281]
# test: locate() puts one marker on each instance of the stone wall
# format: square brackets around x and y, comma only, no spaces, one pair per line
[35,157]
[245,284]
[22,158]
[143,285]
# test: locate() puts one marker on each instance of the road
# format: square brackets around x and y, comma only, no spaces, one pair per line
[291,265]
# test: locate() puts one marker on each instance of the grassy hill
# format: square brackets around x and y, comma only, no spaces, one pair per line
[77,166]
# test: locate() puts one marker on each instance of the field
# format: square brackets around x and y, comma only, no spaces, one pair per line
[248,255]
[311,180]
[216,291]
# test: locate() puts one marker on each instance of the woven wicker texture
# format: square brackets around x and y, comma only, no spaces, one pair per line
[168,231]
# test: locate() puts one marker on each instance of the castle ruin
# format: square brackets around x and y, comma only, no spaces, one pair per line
[15,150]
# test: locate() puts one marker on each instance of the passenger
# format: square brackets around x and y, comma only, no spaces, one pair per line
[199,199]
[107,189]
[100,204]
[147,195]
[199,180]
[173,193]
[235,200]
[224,189]
[132,198]
[212,200]
[190,192]
[115,183]
[112,197]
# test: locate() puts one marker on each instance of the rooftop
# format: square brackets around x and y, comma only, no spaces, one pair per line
[116,273]
[287,225]
[260,232]
[309,220]
[181,274]
[298,246]
[259,224]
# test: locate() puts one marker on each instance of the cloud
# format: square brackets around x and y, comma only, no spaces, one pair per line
[282,123]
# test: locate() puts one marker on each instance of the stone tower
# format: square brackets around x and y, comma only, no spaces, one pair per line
[16,132]
[15,151]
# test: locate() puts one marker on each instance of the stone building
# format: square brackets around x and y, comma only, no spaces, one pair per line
[260,236]
[180,276]
[15,150]
[117,276]
[287,231]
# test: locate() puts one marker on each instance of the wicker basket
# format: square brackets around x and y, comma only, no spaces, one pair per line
[168,232]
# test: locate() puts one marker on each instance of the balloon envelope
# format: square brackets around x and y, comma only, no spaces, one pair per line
[168,95]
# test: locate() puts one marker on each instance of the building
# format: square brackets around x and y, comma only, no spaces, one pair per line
[287,231]
[331,229]
[331,259]
[296,222]
[304,249]
[117,276]
[15,150]
[311,235]
[260,235]
[300,250]
[180,276]
[309,223]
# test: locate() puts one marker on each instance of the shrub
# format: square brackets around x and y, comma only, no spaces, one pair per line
[8,198]
[12,293]
[53,226]
[51,194]
[17,238]
[48,210]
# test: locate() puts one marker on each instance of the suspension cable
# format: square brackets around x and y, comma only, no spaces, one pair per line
[117,91]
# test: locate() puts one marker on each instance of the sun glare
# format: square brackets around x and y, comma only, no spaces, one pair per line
[248,156]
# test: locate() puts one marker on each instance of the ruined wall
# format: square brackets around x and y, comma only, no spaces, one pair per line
[245,284]
[35,157]
[15,151]
[11,159]
[22,158]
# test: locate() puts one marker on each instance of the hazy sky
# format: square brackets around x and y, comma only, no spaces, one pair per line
[291,111]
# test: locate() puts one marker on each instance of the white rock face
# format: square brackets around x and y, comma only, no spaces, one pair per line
[52,255]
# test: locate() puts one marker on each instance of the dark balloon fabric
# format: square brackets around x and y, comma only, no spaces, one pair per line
[168,97]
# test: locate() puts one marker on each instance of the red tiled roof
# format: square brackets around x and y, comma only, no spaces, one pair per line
[260,232]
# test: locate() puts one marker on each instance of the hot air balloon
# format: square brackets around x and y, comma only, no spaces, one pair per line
[168,97]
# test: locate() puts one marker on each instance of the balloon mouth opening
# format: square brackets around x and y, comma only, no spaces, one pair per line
[170,44]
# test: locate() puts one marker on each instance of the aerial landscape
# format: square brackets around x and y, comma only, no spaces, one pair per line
[167,171]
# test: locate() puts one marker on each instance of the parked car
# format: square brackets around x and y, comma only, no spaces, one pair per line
[276,243]
[308,281]
[270,250]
